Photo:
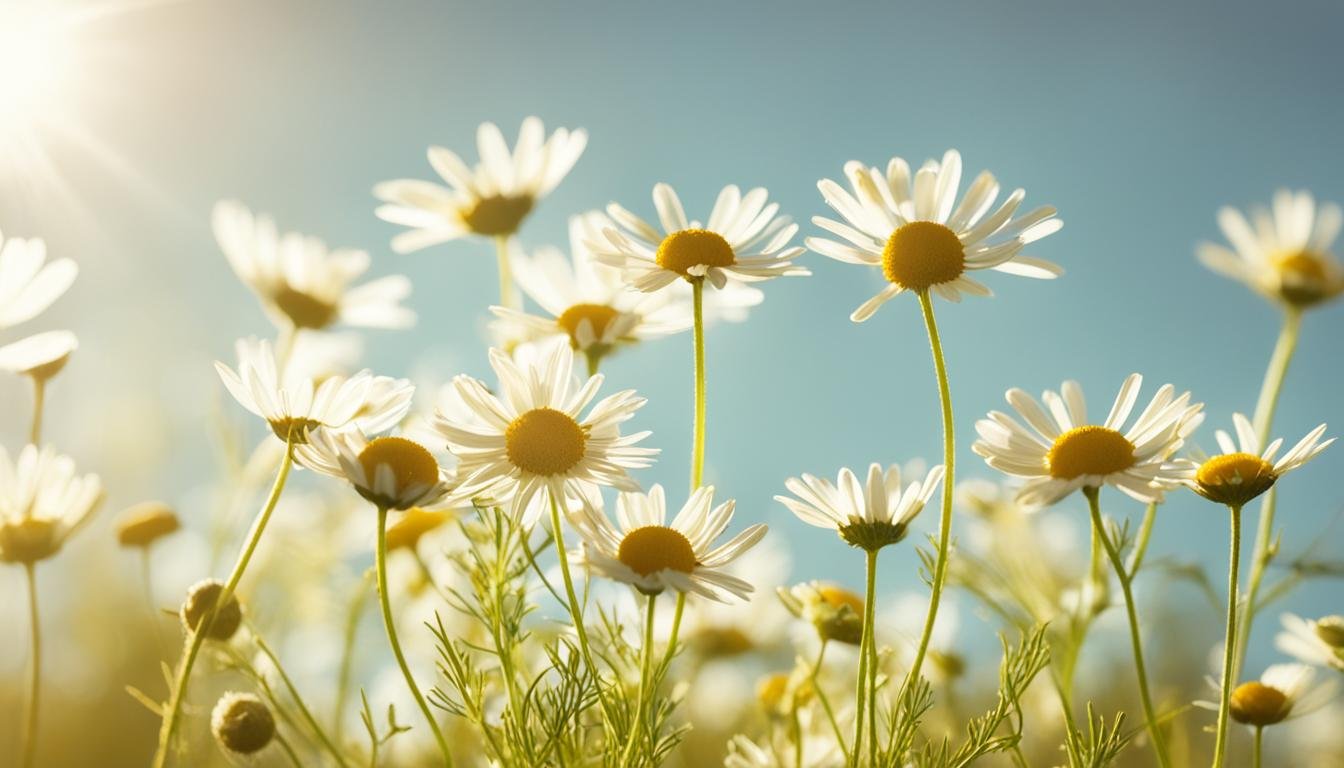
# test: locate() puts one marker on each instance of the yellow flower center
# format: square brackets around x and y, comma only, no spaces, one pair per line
[407,531]
[1255,703]
[654,548]
[545,442]
[721,642]
[688,248]
[145,523]
[1304,277]
[778,695]
[304,309]
[1302,265]
[29,540]
[838,597]
[410,463]
[1234,478]
[921,254]
[498,214]
[599,316]
[1089,450]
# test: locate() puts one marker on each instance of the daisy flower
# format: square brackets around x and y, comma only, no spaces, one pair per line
[27,285]
[1319,641]
[42,503]
[303,284]
[491,199]
[293,406]
[652,556]
[530,442]
[1282,253]
[585,301]
[923,240]
[1284,691]
[40,356]
[1059,452]
[835,612]
[744,241]
[1242,471]
[867,515]
[389,472]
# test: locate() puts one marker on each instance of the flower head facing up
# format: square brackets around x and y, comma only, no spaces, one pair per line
[300,282]
[921,238]
[1283,253]
[490,200]
[835,612]
[868,515]
[294,407]
[1059,452]
[744,241]
[1243,471]
[389,472]
[146,523]
[1315,642]
[42,503]
[652,555]
[531,443]
[242,723]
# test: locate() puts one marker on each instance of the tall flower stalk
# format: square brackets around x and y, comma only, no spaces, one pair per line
[29,749]
[1230,641]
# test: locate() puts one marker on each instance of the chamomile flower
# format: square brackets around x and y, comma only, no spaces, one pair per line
[1243,471]
[27,285]
[294,406]
[921,237]
[743,241]
[835,612]
[531,443]
[390,472]
[303,284]
[42,503]
[491,199]
[1319,641]
[1282,253]
[867,515]
[653,556]
[1283,692]
[586,301]
[40,356]
[1060,452]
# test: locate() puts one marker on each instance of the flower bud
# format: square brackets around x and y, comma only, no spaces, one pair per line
[201,599]
[242,724]
[146,523]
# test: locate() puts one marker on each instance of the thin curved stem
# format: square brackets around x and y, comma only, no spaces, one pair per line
[1141,670]
[508,293]
[870,625]
[860,690]
[826,702]
[645,694]
[35,680]
[698,439]
[380,563]
[288,750]
[348,654]
[676,630]
[39,400]
[306,713]
[197,638]
[1229,647]
[575,609]
[1142,539]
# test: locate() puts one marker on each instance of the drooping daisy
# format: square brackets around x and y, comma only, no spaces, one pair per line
[27,286]
[867,515]
[1059,452]
[491,199]
[390,472]
[532,443]
[42,503]
[1242,471]
[1319,641]
[587,302]
[744,241]
[293,406]
[1282,253]
[301,283]
[1283,692]
[921,237]
[653,556]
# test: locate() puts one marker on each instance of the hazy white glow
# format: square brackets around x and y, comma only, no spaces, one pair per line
[35,64]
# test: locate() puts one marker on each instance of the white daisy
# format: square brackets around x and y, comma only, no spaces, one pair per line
[835,612]
[921,238]
[533,443]
[390,472]
[40,356]
[1061,452]
[296,405]
[491,199]
[587,302]
[1242,471]
[652,556]
[744,241]
[1319,641]
[27,286]
[1282,253]
[1283,692]
[867,515]
[303,284]
[42,502]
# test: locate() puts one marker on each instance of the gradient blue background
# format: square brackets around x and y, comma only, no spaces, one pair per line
[1137,120]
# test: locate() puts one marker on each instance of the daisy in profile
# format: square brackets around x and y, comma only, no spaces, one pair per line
[43,501]
[1058,451]
[293,407]
[301,283]
[1282,253]
[1243,471]
[1319,641]
[531,443]
[389,472]
[870,514]
[28,284]
[587,302]
[652,556]
[1283,692]
[913,228]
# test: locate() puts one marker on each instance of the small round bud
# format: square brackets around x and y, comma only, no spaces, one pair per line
[146,523]
[201,599]
[242,724]
[1257,704]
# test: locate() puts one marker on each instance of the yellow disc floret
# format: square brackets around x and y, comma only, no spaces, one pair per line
[407,531]
[837,597]
[1089,450]
[1305,277]
[545,442]
[922,254]
[1257,704]
[1234,478]
[655,548]
[304,309]
[599,316]
[686,249]
[498,214]
[410,463]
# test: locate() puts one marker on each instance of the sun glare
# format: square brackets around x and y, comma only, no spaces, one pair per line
[35,64]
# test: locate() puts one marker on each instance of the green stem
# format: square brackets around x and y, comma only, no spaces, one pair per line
[1149,712]
[197,638]
[860,689]
[870,626]
[288,750]
[348,653]
[1141,541]
[508,294]
[698,444]
[672,638]
[646,659]
[390,625]
[575,610]
[298,700]
[594,362]
[1229,647]
[35,680]
[39,400]
[826,702]
[1259,746]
